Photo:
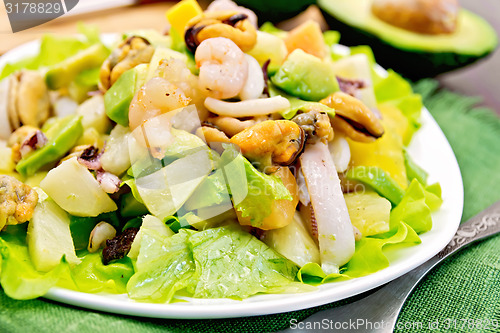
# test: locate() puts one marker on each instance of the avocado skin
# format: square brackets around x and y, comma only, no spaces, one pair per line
[411,63]
[275,10]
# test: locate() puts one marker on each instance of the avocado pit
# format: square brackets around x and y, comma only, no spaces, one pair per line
[431,17]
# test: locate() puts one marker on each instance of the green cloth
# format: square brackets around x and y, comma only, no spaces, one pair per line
[465,287]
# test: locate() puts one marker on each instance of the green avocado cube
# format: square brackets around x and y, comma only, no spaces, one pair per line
[117,99]
[306,76]
[62,74]
[62,135]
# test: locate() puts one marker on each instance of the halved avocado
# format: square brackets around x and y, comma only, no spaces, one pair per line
[275,10]
[412,54]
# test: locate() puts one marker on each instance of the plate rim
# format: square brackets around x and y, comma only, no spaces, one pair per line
[266,305]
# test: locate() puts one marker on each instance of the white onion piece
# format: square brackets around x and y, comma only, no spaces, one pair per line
[5,129]
[254,86]
[250,108]
[335,233]
[340,151]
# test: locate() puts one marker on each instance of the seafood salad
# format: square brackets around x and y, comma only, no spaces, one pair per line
[219,160]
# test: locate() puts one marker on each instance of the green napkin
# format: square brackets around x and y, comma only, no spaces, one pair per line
[461,295]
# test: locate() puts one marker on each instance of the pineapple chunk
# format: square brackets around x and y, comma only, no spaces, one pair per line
[76,190]
[385,153]
[397,120]
[293,242]
[49,236]
[179,15]
[369,212]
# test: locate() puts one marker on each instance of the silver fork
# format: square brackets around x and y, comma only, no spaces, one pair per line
[379,311]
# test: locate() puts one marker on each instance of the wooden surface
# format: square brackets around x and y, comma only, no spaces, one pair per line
[151,16]
[481,79]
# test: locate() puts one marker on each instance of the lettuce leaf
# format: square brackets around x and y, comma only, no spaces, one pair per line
[20,279]
[92,276]
[179,45]
[297,104]
[411,107]
[218,262]
[54,49]
[175,223]
[18,276]
[273,30]
[213,191]
[412,216]
[368,258]
[392,87]
[366,50]
[395,90]
[415,208]
[253,192]
[164,266]
[331,37]
[231,263]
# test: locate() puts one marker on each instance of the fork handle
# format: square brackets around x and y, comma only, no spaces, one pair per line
[378,312]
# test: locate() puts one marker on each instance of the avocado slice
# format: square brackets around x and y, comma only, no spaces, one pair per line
[62,74]
[306,76]
[412,54]
[62,136]
[117,99]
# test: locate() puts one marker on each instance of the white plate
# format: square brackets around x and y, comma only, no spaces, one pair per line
[429,148]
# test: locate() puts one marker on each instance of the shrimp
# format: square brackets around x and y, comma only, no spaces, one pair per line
[223,68]
[156,97]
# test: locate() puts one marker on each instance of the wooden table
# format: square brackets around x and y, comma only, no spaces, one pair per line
[150,16]
[480,79]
